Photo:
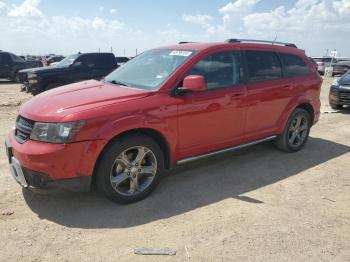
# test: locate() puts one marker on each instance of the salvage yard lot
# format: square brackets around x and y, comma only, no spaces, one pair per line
[258,204]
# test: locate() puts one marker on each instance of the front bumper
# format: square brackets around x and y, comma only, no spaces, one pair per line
[339,96]
[69,166]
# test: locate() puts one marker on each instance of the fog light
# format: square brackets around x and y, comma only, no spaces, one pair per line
[333,97]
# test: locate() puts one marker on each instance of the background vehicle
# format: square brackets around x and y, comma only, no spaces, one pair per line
[54,59]
[167,106]
[341,67]
[313,62]
[122,60]
[323,62]
[10,65]
[73,68]
[339,94]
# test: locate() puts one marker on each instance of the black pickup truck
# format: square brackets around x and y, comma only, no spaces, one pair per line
[10,65]
[73,68]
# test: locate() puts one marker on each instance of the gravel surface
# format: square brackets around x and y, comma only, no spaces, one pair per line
[258,204]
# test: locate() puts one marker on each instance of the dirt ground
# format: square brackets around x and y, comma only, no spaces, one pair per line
[259,204]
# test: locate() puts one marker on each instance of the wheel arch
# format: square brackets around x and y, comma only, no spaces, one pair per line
[157,136]
[309,108]
[303,103]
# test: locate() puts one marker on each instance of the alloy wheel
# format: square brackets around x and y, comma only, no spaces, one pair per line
[133,170]
[298,129]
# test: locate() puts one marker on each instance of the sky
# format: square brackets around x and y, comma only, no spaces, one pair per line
[66,26]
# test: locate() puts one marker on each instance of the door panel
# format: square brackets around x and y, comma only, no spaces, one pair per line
[268,93]
[214,118]
[5,65]
[266,101]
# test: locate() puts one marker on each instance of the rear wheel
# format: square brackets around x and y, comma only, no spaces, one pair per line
[296,131]
[130,169]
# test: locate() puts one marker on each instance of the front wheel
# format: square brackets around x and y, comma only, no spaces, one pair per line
[15,77]
[130,169]
[336,107]
[296,131]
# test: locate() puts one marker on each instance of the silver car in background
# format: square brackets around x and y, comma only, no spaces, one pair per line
[323,62]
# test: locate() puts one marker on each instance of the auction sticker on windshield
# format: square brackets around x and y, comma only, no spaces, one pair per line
[181,53]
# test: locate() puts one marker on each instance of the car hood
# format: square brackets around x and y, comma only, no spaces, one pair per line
[45,69]
[58,103]
[345,79]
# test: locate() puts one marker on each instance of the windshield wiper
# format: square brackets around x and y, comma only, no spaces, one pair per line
[117,83]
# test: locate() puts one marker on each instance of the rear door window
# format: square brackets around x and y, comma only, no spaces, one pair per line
[263,66]
[219,70]
[294,65]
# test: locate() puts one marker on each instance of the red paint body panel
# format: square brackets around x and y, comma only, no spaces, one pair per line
[192,124]
[59,161]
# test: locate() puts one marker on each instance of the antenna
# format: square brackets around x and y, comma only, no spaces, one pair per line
[274,40]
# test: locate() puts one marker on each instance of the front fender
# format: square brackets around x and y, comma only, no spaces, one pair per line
[116,127]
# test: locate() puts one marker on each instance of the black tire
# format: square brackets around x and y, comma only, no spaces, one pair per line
[15,78]
[107,163]
[336,107]
[283,141]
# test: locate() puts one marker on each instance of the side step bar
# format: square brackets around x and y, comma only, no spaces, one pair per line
[194,158]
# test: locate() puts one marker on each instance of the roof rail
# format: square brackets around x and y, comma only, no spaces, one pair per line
[184,42]
[236,40]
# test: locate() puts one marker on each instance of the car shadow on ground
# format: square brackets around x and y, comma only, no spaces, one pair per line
[188,187]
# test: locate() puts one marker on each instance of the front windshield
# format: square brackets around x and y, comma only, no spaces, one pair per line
[150,69]
[68,60]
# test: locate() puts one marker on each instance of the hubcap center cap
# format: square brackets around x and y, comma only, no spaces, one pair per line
[133,170]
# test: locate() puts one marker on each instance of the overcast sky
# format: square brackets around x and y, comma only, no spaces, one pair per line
[67,26]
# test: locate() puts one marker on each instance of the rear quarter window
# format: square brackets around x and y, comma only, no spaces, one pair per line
[263,66]
[294,65]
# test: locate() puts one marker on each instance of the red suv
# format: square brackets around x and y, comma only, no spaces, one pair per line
[167,106]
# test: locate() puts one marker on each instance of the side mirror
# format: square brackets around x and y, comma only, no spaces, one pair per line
[193,83]
[77,65]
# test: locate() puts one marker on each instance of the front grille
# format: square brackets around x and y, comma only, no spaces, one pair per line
[343,97]
[23,129]
[23,77]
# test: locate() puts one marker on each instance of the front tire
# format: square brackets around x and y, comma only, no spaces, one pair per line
[336,107]
[15,78]
[130,169]
[296,131]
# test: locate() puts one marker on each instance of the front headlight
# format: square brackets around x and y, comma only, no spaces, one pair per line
[32,75]
[335,82]
[58,133]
